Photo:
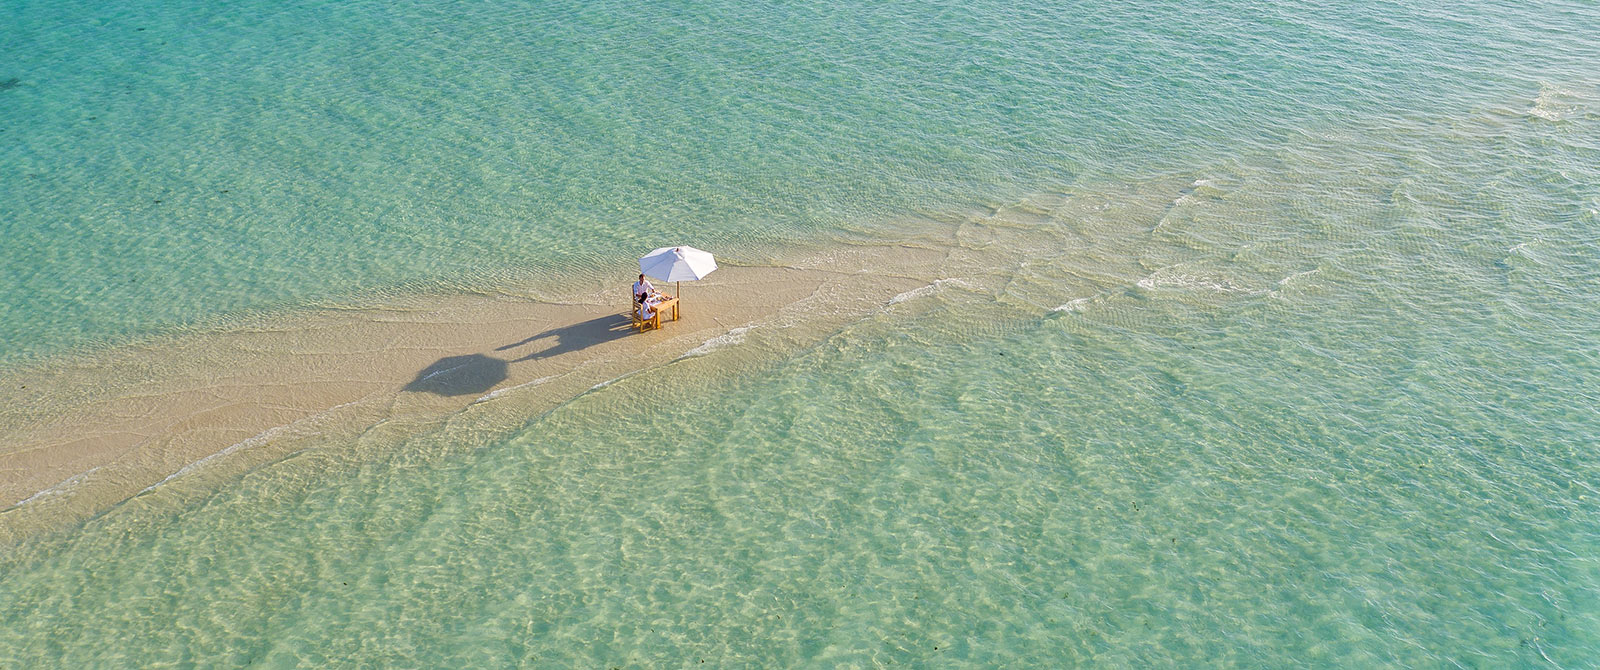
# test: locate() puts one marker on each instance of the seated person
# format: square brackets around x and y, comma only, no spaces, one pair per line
[647,309]
[641,289]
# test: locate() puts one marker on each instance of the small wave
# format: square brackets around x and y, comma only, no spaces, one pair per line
[724,340]
[499,392]
[1163,279]
[257,440]
[1554,103]
[1186,194]
[66,486]
[1074,306]
[1285,281]
[930,289]
[436,373]
[1525,252]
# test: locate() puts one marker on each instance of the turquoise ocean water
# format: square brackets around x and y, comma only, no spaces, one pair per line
[1296,363]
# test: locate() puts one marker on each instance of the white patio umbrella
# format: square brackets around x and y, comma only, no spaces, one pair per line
[678,264]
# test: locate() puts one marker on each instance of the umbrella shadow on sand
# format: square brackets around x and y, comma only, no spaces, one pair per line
[460,375]
[574,337]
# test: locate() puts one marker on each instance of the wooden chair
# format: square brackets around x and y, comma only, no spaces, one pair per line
[653,323]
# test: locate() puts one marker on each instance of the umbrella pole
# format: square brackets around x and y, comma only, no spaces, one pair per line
[680,302]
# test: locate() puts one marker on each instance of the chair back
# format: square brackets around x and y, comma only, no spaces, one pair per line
[634,318]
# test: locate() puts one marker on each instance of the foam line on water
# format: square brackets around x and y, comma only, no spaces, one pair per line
[1168,279]
[306,424]
[930,289]
[728,339]
[500,392]
[1307,273]
[1075,305]
[66,486]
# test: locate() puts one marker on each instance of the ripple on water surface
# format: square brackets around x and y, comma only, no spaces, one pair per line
[1284,356]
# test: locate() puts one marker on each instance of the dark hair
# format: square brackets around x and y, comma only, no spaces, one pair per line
[641,276]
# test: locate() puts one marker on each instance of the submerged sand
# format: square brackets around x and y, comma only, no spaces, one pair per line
[82,436]
[182,415]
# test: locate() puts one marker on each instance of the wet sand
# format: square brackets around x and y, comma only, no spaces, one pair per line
[84,435]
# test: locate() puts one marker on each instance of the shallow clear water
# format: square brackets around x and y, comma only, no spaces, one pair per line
[1294,362]
[167,163]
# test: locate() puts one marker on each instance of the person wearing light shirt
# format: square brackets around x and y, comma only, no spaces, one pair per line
[641,289]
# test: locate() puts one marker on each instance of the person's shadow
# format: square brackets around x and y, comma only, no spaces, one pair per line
[477,373]
[576,336]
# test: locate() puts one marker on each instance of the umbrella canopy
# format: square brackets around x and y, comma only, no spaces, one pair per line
[677,264]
